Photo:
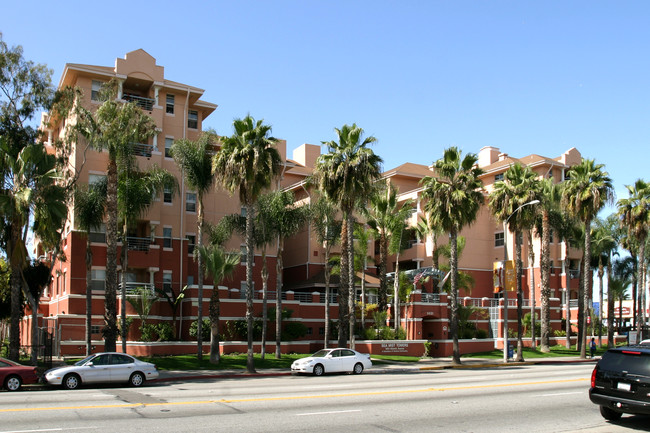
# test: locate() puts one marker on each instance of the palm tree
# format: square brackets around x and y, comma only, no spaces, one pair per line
[115,127]
[626,269]
[617,291]
[344,175]
[327,230]
[385,216]
[219,264]
[507,203]
[603,244]
[454,196]
[194,158]
[286,220]
[362,235]
[588,189]
[136,192]
[635,217]
[549,203]
[247,162]
[89,209]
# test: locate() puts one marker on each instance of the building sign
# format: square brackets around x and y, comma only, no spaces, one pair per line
[500,280]
[395,347]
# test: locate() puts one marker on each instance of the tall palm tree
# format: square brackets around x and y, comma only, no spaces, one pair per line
[454,196]
[247,162]
[327,230]
[625,271]
[219,264]
[603,244]
[507,203]
[635,217]
[550,194]
[587,191]
[617,291]
[344,175]
[194,158]
[115,127]
[136,192]
[385,216]
[286,219]
[89,209]
[362,235]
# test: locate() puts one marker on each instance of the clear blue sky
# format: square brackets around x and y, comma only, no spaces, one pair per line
[525,76]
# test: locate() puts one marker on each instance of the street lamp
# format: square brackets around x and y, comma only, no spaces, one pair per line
[505,278]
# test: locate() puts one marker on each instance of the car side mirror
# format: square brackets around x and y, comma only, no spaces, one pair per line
[90,364]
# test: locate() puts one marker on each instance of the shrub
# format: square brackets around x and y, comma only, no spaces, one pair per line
[400,334]
[481,333]
[369,334]
[427,349]
[205,329]
[165,331]
[294,330]
[148,332]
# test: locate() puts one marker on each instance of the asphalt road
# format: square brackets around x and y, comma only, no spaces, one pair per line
[535,398]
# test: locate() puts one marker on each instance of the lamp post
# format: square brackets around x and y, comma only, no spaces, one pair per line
[505,278]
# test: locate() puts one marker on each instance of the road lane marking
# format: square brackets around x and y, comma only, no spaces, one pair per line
[48,429]
[297,397]
[560,393]
[327,413]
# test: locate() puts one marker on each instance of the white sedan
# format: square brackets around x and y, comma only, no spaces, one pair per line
[108,367]
[332,361]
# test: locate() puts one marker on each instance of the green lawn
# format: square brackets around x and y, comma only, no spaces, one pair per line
[556,351]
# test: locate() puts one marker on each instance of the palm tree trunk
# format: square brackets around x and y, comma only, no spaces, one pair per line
[16,283]
[125,265]
[383,285]
[531,270]
[327,296]
[453,264]
[586,289]
[265,283]
[250,245]
[601,273]
[641,288]
[343,285]
[520,300]
[199,262]
[89,296]
[278,298]
[610,304]
[215,311]
[110,314]
[545,283]
[352,293]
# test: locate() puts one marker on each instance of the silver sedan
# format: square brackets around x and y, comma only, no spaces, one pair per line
[108,367]
[332,361]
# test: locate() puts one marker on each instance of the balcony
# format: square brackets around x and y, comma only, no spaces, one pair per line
[132,288]
[138,244]
[144,103]
[140,149]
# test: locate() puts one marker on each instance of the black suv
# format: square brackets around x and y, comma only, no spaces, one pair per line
[620,383]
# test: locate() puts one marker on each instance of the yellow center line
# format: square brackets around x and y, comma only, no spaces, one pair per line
[299,397]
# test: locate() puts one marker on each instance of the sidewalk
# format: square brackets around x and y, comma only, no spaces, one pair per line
[379,367]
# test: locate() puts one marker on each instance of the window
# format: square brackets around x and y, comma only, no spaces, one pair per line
[244,255]
[167,281]
[243,212]
[191,242]
[94,92]
[98,279]
[94,179]
[552,268]
[190,280]
[499,239]
[550,236]
[190,202]
[95,329]
[167,237]
[170,104]
[310,331]
[321,330]
[168,147]
[98,234]
[167,195]
[192,119]
[498,177]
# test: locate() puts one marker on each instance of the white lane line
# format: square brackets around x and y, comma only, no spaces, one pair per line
[325,413]
[559,393]
[48,429]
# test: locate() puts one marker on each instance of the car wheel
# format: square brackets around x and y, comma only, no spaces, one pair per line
[319,370]
[136,379]
[13,383]
[71,381]
[358,368]
[609,414]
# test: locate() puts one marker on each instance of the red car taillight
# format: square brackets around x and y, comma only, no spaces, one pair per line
[593,378]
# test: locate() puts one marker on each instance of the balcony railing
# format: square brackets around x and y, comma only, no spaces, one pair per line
[144,103]
[140,149]
[138,244]
[574,274]
[132,288]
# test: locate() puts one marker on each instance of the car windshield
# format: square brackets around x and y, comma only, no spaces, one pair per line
[321,353]
[83,361]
